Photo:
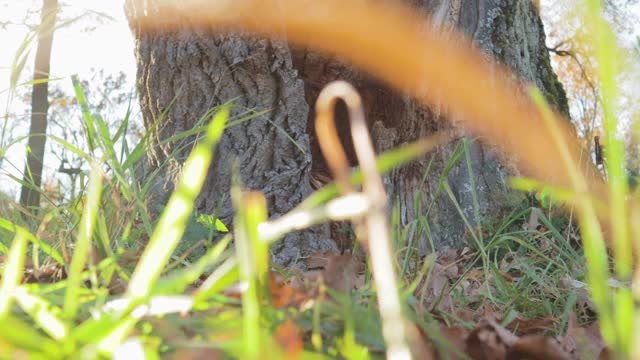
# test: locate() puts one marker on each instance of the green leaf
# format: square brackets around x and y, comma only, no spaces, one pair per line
[12,274]
[221,227]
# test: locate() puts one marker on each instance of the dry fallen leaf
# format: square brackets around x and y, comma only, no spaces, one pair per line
[536,347]
[283,294]
[583,342]
[521,326]
[489,341]
[288,336]
[319,260]
[421,348]
[339,272]
[48,273]
[456,337]
[434,291]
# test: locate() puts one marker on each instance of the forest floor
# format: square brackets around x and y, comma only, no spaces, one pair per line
[522,295]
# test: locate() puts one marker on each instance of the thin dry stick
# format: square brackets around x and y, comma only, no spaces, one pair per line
[377,227]
[347,207]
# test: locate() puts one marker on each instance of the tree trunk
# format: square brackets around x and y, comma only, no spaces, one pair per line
[29,194]
[201,70]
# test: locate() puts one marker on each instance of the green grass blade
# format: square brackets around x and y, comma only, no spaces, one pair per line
[384,163]
[592,237]
[248,265]
[10,226]
[222,277]
[606,53]
[93,328]
[255,209]
[173,220]
[177,283]
[89,126]
[25,337]
[168,232]
[83,243]
[12,274]
[18,140]
[19,60]
[102,236]
[142,147]
[74,149]
[474,195]
[38,309]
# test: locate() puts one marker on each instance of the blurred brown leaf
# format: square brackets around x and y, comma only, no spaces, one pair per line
[521,326]
[434,290]
[339,272]
[456,337]
[284,294]
[288,336]
[536,347]
[489,341]
[583,342]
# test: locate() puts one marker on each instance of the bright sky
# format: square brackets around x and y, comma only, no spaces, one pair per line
[75,51]
[108,47]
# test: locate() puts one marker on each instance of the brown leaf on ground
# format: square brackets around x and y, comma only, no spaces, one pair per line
[434,290]
[456,338]
[129,258]
[475,285]
[450,259]
[288,336]
[339,272]
[45,274]
[117,286]
[420,347]
[488,312]
[521,326]
[536,347]
[320,260]
[448,256]
[510,261]
[283,294]
[584,342]
[342,272]
[489,341]
[467,314]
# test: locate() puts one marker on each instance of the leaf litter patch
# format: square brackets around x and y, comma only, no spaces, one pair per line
[476,329]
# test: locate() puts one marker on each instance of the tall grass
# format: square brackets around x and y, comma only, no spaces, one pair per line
[467,86]
[83,315]
[61,309]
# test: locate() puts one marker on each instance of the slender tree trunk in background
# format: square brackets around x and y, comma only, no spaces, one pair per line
[29,194]
[201,70]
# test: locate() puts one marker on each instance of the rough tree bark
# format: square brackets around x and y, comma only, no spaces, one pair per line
[201,70]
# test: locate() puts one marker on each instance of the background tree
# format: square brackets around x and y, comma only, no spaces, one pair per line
[277,152]
[102,92]
[108,97]
[29,194]
[575,64]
